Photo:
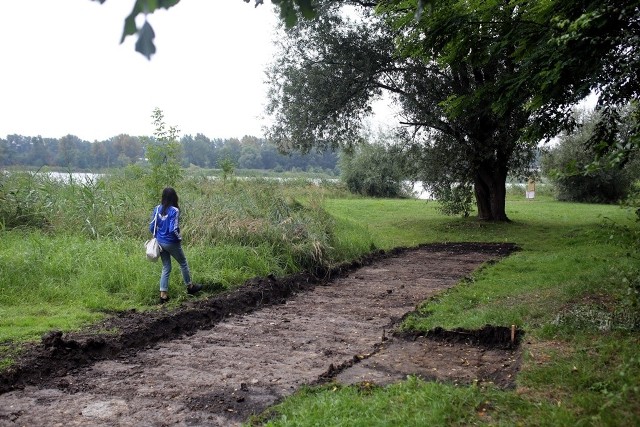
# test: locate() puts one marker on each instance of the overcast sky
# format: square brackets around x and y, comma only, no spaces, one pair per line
[63,70]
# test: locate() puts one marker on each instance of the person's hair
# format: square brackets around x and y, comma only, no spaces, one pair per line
[169,198]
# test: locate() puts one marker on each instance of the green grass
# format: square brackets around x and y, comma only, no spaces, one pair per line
[564,248]
[64,282]
[76,254]
[575,258]
[408,403]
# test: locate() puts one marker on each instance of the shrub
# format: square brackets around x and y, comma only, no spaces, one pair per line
[374,170]
[568,166]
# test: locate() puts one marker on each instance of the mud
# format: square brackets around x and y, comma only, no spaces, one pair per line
[219,360]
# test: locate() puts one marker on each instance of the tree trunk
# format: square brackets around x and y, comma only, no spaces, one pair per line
[490,191]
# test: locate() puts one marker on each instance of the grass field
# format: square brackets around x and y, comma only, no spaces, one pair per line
[570,288]
[573,288]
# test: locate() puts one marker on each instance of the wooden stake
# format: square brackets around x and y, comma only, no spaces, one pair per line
[513,333]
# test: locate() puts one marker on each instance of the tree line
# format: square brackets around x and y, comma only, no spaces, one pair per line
[69,151]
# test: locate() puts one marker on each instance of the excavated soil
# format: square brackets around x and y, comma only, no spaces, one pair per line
[217,361]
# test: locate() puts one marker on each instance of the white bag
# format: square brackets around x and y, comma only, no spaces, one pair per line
[152,247]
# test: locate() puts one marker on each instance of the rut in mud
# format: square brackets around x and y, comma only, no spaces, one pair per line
[219,360]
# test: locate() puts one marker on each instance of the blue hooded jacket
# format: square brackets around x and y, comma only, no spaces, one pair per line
[168,227]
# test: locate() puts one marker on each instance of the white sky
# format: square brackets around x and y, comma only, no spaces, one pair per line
[63,69]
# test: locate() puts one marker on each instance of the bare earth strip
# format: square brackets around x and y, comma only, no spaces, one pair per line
[341,330]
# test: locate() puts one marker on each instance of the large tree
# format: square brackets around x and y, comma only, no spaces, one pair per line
[484,80]
[445,71]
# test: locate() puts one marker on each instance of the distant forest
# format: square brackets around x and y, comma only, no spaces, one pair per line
[122,150]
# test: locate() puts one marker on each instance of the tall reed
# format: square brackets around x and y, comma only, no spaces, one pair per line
[243,212]
[72,250]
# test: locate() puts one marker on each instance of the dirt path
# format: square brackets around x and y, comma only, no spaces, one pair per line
[218,361]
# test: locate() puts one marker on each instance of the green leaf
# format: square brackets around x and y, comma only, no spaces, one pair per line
[143,6]
[130,22]
[290,9]
[166,4]
[145,45]
[422,5]
[307,9]
[288,13]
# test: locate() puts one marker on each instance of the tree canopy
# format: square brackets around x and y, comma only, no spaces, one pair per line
[579,48]
[442,70]
[479,82]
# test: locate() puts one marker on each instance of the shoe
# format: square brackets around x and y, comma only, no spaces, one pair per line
[193,289]
[164,300]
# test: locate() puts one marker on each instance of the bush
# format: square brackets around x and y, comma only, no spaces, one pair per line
[374,170]
[567,165]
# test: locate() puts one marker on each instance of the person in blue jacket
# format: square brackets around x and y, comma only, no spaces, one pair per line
[165,221]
